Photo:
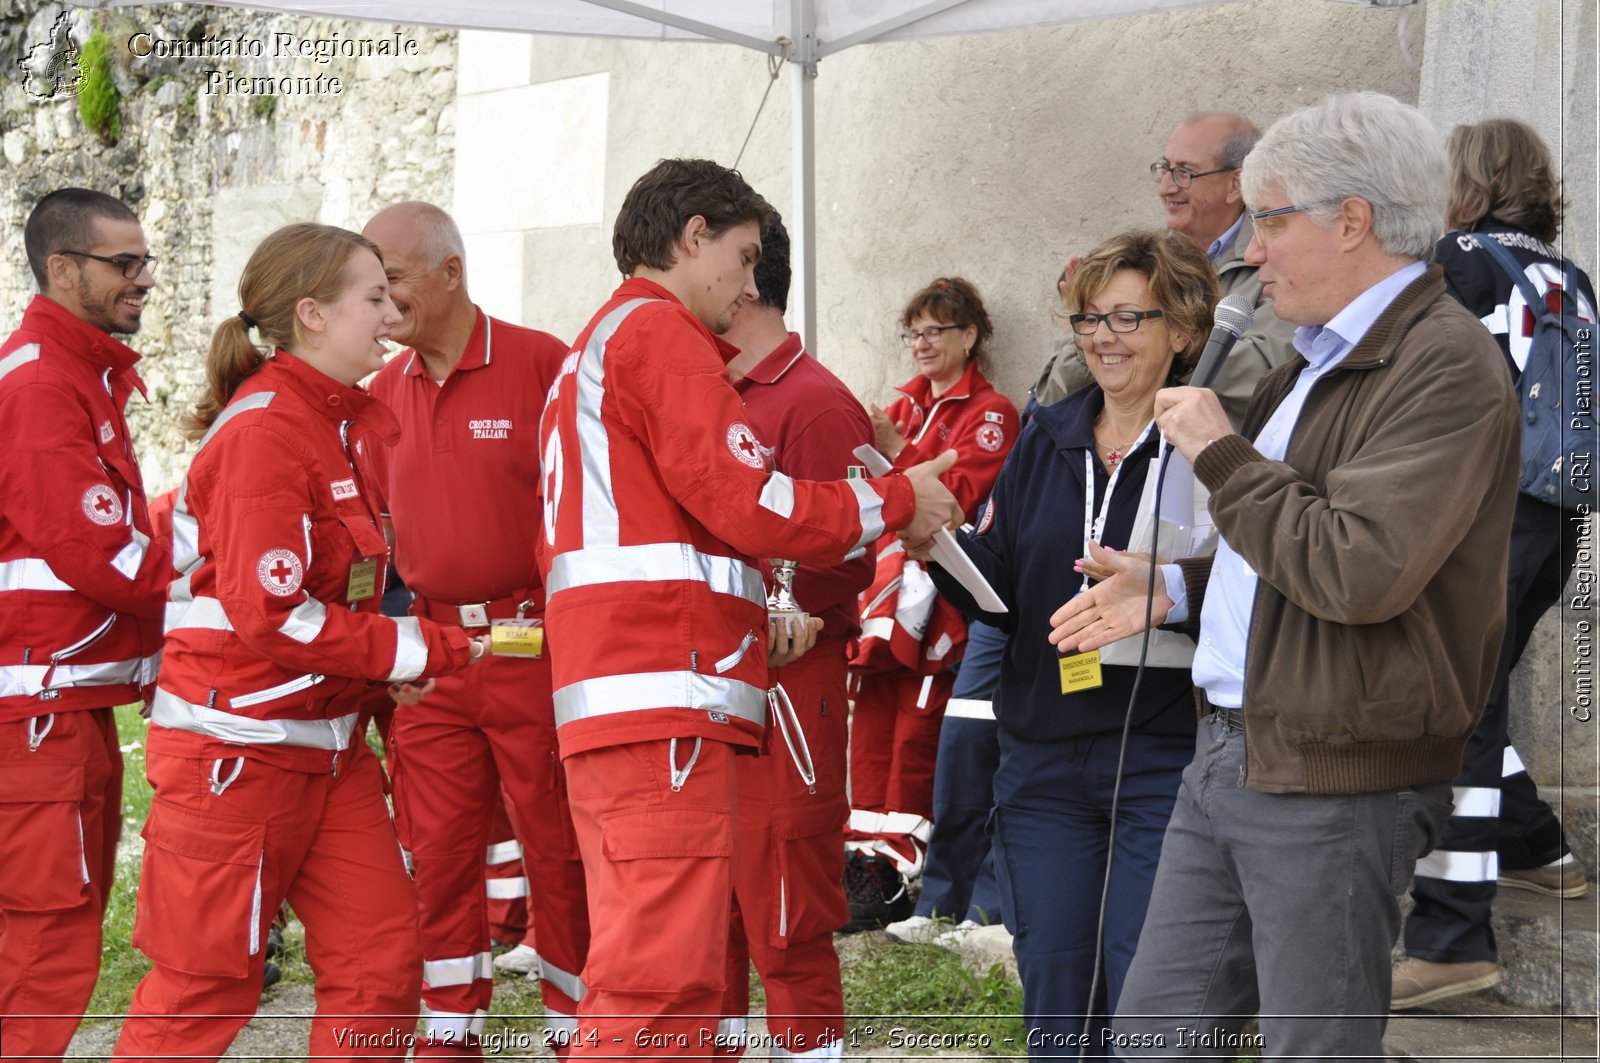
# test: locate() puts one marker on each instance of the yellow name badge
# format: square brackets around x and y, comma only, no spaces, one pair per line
[1081,671]
[517,638]
[363,581]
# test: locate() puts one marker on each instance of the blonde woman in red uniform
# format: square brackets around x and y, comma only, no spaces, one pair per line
[264,789]
[910,638]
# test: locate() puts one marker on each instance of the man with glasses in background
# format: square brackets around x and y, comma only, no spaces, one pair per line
[82,586]
[1197,179]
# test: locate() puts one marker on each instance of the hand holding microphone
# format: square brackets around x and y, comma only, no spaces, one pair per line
[1191,417]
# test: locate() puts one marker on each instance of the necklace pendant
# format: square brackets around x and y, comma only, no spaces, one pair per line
[1113,457]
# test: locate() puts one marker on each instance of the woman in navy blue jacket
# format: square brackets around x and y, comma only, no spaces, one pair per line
[1141,307]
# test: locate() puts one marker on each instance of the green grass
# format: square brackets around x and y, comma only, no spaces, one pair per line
[921,996]
[121,965]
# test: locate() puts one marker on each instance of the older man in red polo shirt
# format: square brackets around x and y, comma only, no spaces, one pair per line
[462,490]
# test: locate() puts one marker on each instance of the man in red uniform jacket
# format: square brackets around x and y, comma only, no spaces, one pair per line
[657,499]
[792,805]
[462,490]
[82,584]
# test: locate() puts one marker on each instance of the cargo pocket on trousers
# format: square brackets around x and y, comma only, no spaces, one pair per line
[199,902]
[668,867]
[41,829]
[808,895]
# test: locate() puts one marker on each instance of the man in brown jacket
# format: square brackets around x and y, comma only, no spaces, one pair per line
[1347,643]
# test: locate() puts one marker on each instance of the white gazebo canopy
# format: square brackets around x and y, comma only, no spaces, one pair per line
[802,32]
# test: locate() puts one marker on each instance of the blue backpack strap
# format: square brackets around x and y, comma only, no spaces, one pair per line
[1514,273]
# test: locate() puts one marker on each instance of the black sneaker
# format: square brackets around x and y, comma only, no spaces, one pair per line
[875,891]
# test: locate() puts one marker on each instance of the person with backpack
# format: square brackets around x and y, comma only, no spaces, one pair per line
[1505,211]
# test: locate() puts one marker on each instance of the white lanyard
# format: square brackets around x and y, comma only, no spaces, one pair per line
[1094,524]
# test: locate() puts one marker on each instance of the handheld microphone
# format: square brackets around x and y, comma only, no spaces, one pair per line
[1233,316]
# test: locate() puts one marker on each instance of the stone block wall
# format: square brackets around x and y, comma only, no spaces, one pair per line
[211,165]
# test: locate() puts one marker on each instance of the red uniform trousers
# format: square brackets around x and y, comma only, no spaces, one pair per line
[505,884]
[788,864]
[894,741]
[60,818]
[487,728]
[216,868]
[658,855]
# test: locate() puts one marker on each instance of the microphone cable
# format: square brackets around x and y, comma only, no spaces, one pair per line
[1122,751]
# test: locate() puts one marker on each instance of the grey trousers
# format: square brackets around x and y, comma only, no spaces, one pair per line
[1282,904]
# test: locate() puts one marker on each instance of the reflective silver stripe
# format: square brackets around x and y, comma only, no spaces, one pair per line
[410,650]
[259,401]
[255,905]
[565,981]
[505,889]
[27,680]
[1479,801]
[639,691]
[894,547]
[870,507]
[728,662]
[273,693]
[19,358]
[463,970]
[185,539]
[969,709]
[170,711]
[1454,866]
[205,613]
[453,1026]
[304,622]
[654,562]
[877,627]
[130,557]
[503,853]
[600,522]
[778,495]
[30,574]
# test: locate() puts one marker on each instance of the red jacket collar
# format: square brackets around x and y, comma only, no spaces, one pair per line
[771,368]
[639,288]
[327,396]
[477,353]
[82,339]
[920,391]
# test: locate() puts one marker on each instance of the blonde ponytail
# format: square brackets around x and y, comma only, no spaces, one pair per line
[299,261]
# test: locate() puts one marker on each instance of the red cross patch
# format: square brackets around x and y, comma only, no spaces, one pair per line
[280,572]
[990,436]
[743,444]
[101,505]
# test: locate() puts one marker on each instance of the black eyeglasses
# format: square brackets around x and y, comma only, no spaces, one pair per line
[1182,176]
[930,334]
[130,265]
[1116,321]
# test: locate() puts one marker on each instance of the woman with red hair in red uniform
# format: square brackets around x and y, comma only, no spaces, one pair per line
[264,788]
[911,638]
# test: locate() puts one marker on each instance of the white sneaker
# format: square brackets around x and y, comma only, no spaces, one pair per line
[953,937]
[520,960]
[917,930]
